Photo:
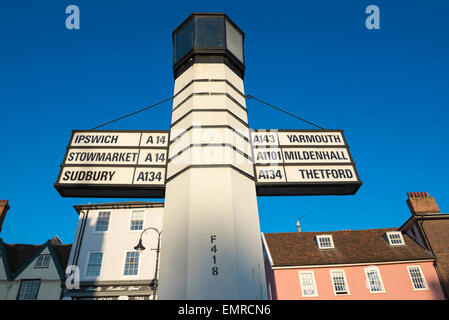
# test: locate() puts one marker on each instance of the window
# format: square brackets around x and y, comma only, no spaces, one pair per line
[234,40]
[417,277]
[137,217]
[42,261]
[325,241]
[94,264]
[28,290]
[339,282]
[374,280]
[395,238]
[102,221]
[131,263]
[308,286]
[209,32]
[184,40]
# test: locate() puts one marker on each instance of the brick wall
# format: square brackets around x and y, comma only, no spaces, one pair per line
[437,232]
[421,203]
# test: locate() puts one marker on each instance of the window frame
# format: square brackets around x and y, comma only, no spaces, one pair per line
[426,287]
[21,286]
[314,283]
[124,264]
[345,280]
[389,233]
[87,264]
[318,237]
[45,266]
[380,279]
[131,220]
[96,222]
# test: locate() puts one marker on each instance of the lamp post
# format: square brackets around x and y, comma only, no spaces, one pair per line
[140,248]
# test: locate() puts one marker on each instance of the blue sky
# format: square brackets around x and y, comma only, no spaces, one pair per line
[387,88]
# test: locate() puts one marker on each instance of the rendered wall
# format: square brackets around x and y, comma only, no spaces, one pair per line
[396,281]
[115,242]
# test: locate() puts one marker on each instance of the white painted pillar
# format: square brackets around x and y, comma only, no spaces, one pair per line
[211,246]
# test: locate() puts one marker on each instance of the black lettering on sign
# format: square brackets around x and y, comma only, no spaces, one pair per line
[157,140]
[338,174]
[88,175]
[156,157]
[160,157]
[315,155]
[148,176]
[268,156]
[109,139]
[269,174]
[102,156]
[214,250]
[264,138]
[314,138]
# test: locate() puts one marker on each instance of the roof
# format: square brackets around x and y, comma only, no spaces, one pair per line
[351,247]
[63,252]
[118,205]
[424,216]
[19,256]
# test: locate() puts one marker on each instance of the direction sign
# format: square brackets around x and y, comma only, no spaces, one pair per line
[134,163]
[303,162]
[114,164]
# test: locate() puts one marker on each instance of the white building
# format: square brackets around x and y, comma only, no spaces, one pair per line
[103,250]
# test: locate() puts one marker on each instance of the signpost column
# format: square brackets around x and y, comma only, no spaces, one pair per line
[211,246]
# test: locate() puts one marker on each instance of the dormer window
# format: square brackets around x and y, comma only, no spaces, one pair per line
[325,241]
[395,238]
[42,261]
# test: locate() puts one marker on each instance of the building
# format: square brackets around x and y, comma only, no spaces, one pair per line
[33,272]
[104,250]
[409,262]
[430,228]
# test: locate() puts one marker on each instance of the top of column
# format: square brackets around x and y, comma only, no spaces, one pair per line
[208,38]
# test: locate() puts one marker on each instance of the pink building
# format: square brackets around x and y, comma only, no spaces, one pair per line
[361,264]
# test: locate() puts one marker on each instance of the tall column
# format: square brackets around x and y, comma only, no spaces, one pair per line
[211,245]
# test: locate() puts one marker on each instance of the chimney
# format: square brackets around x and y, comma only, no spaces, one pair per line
[298,225]
[421,203]
[4,207]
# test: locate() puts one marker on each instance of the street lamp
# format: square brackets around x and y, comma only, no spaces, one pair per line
[140,248]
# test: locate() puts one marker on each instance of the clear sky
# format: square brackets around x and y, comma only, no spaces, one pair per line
[388,89]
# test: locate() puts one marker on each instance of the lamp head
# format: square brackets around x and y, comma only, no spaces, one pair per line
[139,246]
[208,38]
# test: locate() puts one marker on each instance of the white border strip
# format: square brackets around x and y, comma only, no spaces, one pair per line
[350,264]
[267,249]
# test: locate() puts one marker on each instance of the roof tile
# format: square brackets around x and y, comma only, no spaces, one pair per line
[357,246]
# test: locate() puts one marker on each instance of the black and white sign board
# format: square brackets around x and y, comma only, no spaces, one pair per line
[127,164]
[303,162]
[114,164]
